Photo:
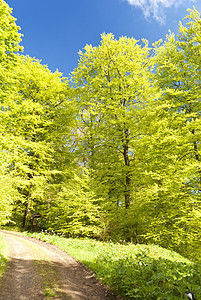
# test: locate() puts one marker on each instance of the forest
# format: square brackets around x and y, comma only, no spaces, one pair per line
[113,151]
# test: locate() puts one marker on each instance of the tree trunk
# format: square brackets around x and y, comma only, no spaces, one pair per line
[127,191]
[27,206]
[127,164]
[197,157]
[25,214]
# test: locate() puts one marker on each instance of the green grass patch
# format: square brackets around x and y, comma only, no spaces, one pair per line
[3,255]
[134,271]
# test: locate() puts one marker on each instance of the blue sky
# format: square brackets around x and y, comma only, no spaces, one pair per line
[55,30]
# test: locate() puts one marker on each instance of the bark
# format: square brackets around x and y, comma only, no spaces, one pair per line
[197,157]
[127,164]
[25,214]
[27,208]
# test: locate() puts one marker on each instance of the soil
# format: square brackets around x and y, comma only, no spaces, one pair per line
[38,270]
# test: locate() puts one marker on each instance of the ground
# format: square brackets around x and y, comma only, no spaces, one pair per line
[38,270]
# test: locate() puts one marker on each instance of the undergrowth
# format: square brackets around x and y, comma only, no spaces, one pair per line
[134,271]
[3,255]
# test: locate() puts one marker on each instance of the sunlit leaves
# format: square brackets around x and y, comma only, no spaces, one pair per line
[112,85]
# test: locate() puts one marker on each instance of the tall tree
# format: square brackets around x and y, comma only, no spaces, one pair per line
[112,87]
[9,41]
[174,142]
[36,121]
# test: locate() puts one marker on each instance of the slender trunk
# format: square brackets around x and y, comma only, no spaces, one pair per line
[27,206]
[25,214]
[91,145]
[195,146]
[197,157]
[127,191]
[127,176]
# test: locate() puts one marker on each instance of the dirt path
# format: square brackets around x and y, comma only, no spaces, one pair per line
[38,270]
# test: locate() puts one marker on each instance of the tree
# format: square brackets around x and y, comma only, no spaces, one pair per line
[35,120]
[112,87]
[9,41]
[76,210]
[174,140]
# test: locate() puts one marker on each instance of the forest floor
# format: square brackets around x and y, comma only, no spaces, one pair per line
[38,270]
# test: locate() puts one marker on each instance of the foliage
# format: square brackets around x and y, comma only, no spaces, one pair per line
[173,142]
[111,87]
[112,153]
[3,255]
[76,210]
[33,119]
[134,271]
[9,45]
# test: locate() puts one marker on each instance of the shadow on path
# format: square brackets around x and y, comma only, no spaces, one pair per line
[37,270]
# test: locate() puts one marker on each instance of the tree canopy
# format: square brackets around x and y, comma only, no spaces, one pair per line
[113,151]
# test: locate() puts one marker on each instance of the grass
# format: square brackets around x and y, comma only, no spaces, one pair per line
[3,255]
[133,271]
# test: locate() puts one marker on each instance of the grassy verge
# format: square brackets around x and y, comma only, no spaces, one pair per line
[3,255]
[134,271]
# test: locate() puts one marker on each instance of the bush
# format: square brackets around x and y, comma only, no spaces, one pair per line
[144,277]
